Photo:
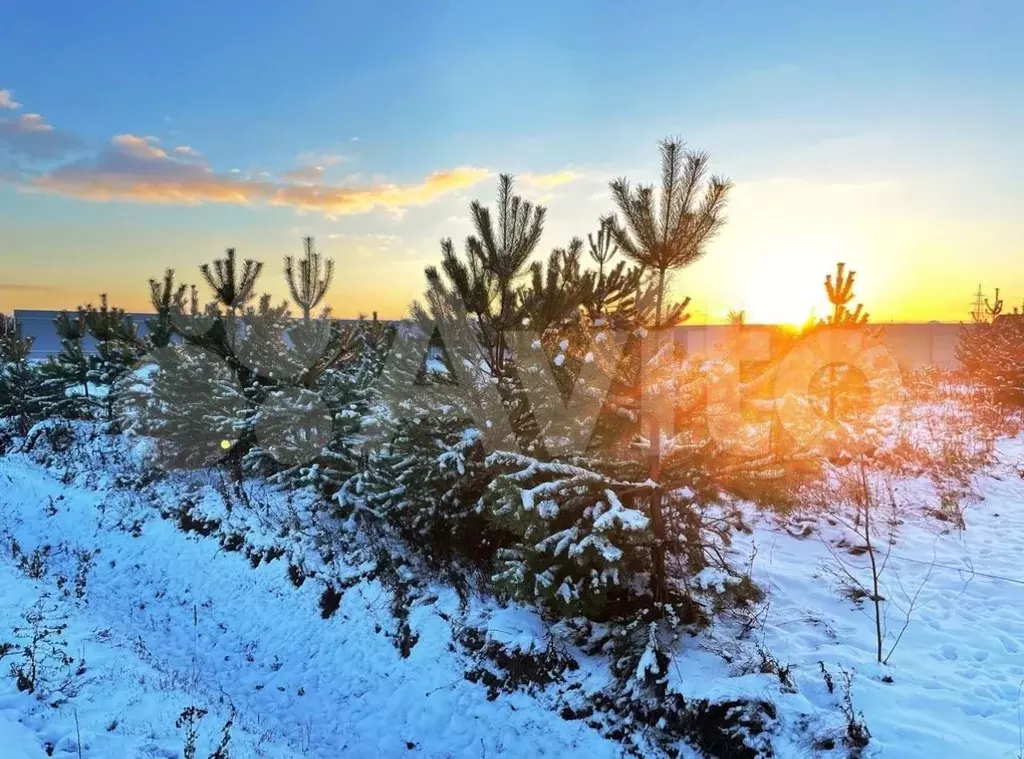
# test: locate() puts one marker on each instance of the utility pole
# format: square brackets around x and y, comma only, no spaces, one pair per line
[978,310]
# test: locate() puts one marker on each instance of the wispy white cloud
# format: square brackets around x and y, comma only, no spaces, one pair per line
[9,287]
[7,100]
[366,245]
[552,179]
[320,158]
[313,166]
[304,175]
[30,136]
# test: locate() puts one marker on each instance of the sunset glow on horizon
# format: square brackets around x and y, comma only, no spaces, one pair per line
[886,138]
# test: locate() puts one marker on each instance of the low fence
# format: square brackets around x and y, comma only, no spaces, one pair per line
[914,346]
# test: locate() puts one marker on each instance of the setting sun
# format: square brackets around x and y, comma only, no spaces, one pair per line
[784,285]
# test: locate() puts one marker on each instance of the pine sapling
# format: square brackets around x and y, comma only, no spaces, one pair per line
[64,390]
[20,381]
[840,294]
[662,241]
[233,288]
[308,278]
[995,308]
[168,301]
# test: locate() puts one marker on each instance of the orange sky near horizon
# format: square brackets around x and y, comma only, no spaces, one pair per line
[783,236]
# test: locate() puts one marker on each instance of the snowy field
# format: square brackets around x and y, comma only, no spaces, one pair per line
[159,620]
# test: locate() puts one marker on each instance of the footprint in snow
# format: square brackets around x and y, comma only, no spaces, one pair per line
[1009,644]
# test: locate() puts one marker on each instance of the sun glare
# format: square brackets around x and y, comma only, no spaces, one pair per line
[784,286]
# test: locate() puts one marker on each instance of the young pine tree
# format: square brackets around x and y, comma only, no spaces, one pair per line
[991,355]
[168,301]
[348,394]
[64,389]
[612,290]
[203,390]
[840,294]
[663,239]
[483,282]
[118,351]
[19,381]
[233,289]
[838,384]
[308,278]
[425,474]
[196,410]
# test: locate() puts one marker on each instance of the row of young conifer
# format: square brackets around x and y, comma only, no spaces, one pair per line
[630,521]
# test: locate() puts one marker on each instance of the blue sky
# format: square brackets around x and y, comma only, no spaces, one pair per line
[886,134]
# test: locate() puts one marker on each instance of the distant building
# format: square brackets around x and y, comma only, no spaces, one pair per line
[39,325]
[1014,317]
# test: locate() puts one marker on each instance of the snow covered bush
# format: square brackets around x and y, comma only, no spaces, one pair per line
[992,355]
[579,549]
[584,540]
[194,408]
[426,484]
[645,691]
[347,398]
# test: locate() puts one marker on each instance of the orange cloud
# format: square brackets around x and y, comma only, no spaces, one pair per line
[140,147]
[133,168]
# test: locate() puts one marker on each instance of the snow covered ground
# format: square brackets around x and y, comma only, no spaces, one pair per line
[169,619]
[958,671]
